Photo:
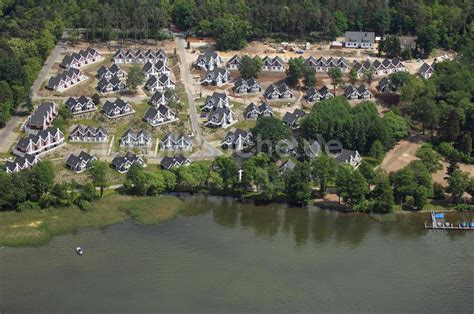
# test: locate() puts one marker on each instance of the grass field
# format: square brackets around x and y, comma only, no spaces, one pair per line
[37,227]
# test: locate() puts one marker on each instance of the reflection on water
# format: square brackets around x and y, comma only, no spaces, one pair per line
[306,224]
[223,256]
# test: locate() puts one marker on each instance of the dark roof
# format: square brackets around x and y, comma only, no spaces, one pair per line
[168,162]
[362,89]
[425,67]
[349,90]
[119,160]
[74,160]
[37,118]
[345,155]
[368,37]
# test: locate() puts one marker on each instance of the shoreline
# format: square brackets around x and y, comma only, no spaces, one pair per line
[35,228]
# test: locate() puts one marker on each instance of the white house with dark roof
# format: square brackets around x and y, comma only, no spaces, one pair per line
[42,118]
[174,162]
[362,92]
[117,108]
[364,40]
[109,72]
[173,142]
[250,86]
[139,56]
[275,64]
[351,157]
[81,162]
[238,139]
[66,79]
[314,95]
[40,143]
[208,61]
[155,69]
[114,84]
[159,83]
[280,92]
[322,64]
[426,71]
[81,58]
[164,98]
[78,105]
[21,163]
[88,134]
[216,76]
[123,162]
[216,100]
[253,111]
[234,62]
[384,86]
[220,118]
[159,116]
[130,138]
[292,118]
[384,67]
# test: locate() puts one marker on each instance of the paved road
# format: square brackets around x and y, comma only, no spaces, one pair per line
[47,66]
[7,137]
[188,83]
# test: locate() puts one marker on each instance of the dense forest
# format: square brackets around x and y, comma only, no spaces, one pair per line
[29,29]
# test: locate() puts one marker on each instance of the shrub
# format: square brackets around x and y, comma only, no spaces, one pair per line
[27,205]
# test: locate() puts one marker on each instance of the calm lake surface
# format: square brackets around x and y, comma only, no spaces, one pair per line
[223,256]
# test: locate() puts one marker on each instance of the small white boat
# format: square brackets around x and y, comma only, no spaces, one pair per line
[79,250]
[447,224]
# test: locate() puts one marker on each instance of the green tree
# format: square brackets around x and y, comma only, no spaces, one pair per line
[309,75]
[350,185]
[399,79]
[231,32]
[368,76]
[295,71]
[298,183]
[377,151]
[250,67]
[335,74]
[397,124]
[458,183]
[324,169]
[42,178]
[227,168]
[382,200]
[353,76]
[428,38]
[270,130]
[430,158]
[98,175]
[137,181]
[135,77]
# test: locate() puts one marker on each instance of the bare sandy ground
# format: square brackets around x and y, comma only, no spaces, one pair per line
[402,154]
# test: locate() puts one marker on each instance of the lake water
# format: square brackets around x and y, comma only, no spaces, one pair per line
[223,256]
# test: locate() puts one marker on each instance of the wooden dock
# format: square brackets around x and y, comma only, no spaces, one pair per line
[440,224]
[451,227]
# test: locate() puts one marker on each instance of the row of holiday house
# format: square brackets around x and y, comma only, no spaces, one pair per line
[81,58]
[210,60]
[122,162]
[130,138]
[139,56]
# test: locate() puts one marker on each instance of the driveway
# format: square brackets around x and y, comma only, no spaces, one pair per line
[188,83]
